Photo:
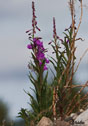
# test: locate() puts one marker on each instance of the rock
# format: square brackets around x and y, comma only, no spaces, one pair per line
[81,110]
[62,123]
[73,115]
[78,125]
[83,117]
[45,122]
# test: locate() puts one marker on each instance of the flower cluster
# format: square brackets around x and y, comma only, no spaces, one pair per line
[37,45]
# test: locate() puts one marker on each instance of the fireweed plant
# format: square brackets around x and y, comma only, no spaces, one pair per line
[38,74]
[67,97]
[62,97]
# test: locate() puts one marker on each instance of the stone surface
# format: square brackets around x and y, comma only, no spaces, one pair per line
[81,110]
[75,119]
[78,125]
[83,117]
[45,122]
[62,123]
[73,115]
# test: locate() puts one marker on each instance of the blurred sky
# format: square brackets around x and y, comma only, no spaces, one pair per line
[15,19]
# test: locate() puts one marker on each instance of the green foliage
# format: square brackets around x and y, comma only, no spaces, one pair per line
[3,112]
[67,97]
[40,102]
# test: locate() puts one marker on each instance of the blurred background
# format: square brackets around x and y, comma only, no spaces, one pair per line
[15,19]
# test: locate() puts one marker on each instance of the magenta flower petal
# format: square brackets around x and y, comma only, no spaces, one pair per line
[38,43]
[34,39]
[40,63]
[47,61]
[40,56]
[45,68]
[29,46]
[41,49]
[67,41]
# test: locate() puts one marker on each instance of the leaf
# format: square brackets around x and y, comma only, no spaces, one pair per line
[52,72]
[34,103]
[45,79]
[53,60]
[53,64]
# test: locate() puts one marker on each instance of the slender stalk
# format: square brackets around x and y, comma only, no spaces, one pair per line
[54,105]
[75,97]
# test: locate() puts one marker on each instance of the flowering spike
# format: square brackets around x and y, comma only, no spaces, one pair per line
[34,22]
[54,28]
[39,51]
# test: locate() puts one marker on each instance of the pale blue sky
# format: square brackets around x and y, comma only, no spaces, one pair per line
[15,19]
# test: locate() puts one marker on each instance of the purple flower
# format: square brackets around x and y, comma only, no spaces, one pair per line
[39,51]
[29,46]
[47,61]
[45,67]
[40,63]
[40,56]
[38,43]
[67,41]
[34,39]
